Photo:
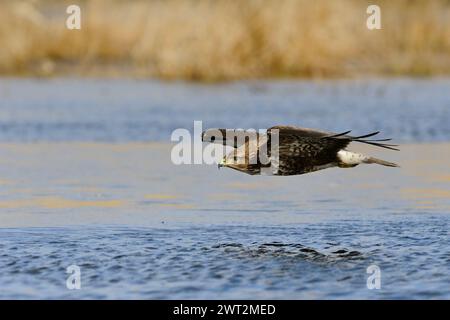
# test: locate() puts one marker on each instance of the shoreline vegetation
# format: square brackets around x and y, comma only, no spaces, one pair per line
[225,40]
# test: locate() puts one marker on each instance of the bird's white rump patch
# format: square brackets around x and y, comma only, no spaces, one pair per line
[351,158]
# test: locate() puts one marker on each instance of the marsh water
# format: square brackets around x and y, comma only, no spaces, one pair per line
[86,179]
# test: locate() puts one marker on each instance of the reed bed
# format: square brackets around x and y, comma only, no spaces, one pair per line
[218,40]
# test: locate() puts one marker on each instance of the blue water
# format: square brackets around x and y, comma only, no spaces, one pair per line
[297,262]
[121,110]
[86,179]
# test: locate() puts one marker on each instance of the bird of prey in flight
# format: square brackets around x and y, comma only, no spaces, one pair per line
[292,150]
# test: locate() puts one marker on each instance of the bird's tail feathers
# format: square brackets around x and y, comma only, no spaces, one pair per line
[362,139]
[382,162]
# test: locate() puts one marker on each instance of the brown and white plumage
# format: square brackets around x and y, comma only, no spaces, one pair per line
[300,150]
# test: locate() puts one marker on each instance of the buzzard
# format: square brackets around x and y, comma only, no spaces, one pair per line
[292,150]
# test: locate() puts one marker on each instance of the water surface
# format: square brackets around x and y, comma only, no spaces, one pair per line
[86,179]
[128,110]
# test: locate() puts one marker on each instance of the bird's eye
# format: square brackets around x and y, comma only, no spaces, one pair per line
[213,138]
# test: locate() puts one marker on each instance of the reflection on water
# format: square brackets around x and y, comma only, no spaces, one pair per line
[141,227]
[427,193]
[288,250]
[320,260]
[59,203]
[166,231]
[139,179]
[161,196]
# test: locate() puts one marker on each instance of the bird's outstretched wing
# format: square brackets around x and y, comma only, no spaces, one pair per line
[290,134]
[329,138]
[306,150]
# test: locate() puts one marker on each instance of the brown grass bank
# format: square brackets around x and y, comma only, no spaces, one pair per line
[225,39]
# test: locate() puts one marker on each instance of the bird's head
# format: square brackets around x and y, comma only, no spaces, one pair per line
[234,161]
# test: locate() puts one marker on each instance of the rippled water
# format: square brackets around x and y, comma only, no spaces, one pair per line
[301,261]
[97,189]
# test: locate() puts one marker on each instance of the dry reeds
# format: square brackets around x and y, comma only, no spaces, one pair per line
[225,39]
